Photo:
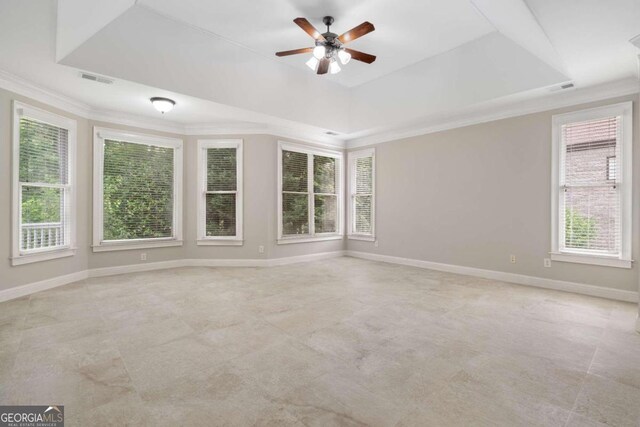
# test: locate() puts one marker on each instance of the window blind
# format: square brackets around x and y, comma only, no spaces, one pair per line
[138,187]
[44,185]
[310,185]
[363,197]
[295,193]
[590,197]
[325,190]
[222,192]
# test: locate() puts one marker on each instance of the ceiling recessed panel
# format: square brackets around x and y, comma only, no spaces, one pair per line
[406,31]
[484,69]
[147,48]
[592,36]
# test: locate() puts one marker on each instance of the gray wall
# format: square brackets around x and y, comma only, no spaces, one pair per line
[13,276]
[451,183]
[472,196]
[260,206]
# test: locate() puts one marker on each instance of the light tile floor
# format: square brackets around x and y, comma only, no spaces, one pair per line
[337,342]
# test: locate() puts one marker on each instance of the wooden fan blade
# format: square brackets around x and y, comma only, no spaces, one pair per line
[323,67]
[357,32]
[309,29]
[360,56]
[295,51]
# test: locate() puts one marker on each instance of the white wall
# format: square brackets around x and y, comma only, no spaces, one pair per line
[472,196]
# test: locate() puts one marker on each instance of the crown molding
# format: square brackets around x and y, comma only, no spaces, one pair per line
[41,94]
[481,113]
[20,86]
[503,108]
[249,128]
[113,117]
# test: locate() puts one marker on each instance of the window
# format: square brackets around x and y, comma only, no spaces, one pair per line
[310,194]
[220,197]
[137,191]
[591,205]
[43,185]
[362,195]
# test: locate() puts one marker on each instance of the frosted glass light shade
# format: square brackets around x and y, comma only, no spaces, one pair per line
[344,57]
[164,105]
[319,52]
[313,63]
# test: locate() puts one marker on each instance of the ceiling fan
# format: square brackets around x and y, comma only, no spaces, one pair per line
[330,47]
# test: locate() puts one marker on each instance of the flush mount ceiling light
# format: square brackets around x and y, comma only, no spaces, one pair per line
[163,105]
[330,48]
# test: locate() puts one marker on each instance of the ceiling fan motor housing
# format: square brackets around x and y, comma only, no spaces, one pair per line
[331,42]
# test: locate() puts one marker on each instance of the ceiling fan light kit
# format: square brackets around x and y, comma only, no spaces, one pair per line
[329,47]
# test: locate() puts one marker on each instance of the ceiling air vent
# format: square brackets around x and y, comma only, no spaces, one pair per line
[95,78]
[564,86]
[329,132]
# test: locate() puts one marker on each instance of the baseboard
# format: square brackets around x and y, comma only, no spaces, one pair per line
[28,289]
[579,288]
[43,285]
[274,262]
[203,262]
[135,268]
[520,279]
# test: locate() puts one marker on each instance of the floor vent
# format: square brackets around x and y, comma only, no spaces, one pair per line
[95,78]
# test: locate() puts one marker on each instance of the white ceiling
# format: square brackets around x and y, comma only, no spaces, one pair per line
[592,36]
[406,31]
[216,58]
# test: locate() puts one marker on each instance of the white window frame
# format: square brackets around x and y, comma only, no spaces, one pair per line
[312,236]
[352,157]
[203,239]
[19,257]
[624,164]
[99,136]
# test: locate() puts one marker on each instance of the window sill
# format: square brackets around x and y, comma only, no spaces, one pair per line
[363,237]
[42,256]
[604,261]
[307,239]
[220,242]
[125,246]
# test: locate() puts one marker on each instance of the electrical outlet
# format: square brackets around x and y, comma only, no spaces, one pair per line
[547,262]
[143,256]
[513,259]
[375,243]
[260,249]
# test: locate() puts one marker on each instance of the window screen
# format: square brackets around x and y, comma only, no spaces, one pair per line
[325,189]
[590,197]
[221,192]
[295,193]
[310,193]
[363,197]
[138,187]
[44,186]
